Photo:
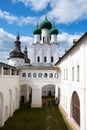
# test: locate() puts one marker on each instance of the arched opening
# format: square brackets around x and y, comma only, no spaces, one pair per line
[10,103]
[26,94]
[1,109]
[75,107]
[6,113]
[48,90]
[23,94]
[30,96]
[16,98]
[58,95]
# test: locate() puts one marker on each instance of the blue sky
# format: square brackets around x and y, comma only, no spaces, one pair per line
[22,16]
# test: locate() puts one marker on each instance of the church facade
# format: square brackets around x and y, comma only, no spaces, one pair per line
[46,75]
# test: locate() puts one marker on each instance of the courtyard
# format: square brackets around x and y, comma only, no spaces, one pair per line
[46,118]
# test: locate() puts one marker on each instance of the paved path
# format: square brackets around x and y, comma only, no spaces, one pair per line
[54,120]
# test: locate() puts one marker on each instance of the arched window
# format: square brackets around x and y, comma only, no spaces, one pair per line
[52,59]
[29,74]
[48,39]
[45,75]
[43,39]
[24,75]
[38,59]
[45,59]
[51,75]
[40,75]
[56,75]
[75,107]
[34,75]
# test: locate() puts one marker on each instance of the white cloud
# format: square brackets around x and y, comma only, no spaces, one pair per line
[10,18]
[7,16]
[36,5]
[7,44]
[64,11]
[65,41]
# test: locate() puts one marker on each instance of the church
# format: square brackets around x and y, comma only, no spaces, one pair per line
[48,74]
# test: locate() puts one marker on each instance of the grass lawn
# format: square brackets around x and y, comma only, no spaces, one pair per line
[27,119]
[46,118]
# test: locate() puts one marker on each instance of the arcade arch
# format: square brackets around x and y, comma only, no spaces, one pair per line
[26,93]
[1,108]
[48,90]
[10,103]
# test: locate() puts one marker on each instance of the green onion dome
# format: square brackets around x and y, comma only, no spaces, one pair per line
[53,31]
[46,24]
[37,31]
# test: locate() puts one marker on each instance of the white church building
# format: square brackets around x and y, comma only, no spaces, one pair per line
[46,75]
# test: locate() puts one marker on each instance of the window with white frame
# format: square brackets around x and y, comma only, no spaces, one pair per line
[52,59]
[51,75]
[56,75]
[77,72]
[45,59]
[34,75]
[72,73]
[29,74]
[45,75]
[24,75]
[66,73]
[38,59]
[40,75]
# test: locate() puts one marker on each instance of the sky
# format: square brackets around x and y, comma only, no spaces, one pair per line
[21,16]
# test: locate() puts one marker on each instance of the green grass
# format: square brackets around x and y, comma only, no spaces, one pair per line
[46,118]
[27,119]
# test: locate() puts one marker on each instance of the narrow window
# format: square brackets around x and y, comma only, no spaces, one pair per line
[72,73]
[45,59]
[40,75]
[66,74]
[29,74]
[77,72]
[40,37]
[34,75]
[48,39]
[51,58]
[56,75]
[45,75]
[38,59]
[24,75]
[51,75]
[43,39]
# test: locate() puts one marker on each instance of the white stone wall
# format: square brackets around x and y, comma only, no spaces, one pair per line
[53,38]
[37,83]
[16,61]
[45,50]
[77,56]
[45,33]
[36,38]
[9,96]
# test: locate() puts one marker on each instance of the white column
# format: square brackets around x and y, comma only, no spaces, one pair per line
[36,98]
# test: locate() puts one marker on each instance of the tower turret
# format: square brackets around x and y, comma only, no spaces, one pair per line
[17,56]
[27,60]
[53,33]
[37,34]
[45,27]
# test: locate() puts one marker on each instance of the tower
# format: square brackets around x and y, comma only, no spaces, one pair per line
[17,57]
[45,46]
[27,60]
